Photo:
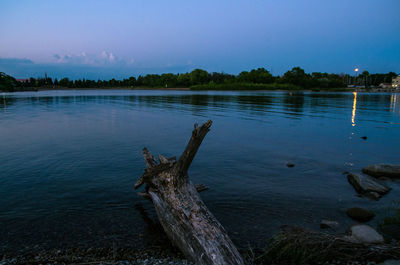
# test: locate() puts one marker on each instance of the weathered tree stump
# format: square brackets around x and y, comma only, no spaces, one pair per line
[186,220]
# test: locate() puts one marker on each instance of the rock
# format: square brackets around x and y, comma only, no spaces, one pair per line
[364,234]
[391,230]
[328,224]
[365,184]
[382,170]
[201,187]
[290,165]
[360,214]
[372,195]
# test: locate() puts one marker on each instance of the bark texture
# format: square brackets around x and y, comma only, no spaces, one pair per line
[185,218]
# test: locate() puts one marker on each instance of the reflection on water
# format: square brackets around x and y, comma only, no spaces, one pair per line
[293,103]
[353,114]
[4,103]
[394,104]
[70,158]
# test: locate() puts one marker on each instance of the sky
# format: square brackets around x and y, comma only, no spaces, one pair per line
[105,39]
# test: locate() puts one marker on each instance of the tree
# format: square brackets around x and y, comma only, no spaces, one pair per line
[260,76]
[183,80]
[139,81]
[296,76]
[169,80]
[131,81]
[65,82]
[325,80]
[198,77]
[220,78]
[7,83]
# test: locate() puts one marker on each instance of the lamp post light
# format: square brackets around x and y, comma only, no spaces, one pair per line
[355,76]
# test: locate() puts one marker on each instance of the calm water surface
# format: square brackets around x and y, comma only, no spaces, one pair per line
[69,160]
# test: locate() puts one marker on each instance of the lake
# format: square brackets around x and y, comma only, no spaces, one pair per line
[69,160]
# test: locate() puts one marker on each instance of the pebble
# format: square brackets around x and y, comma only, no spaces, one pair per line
[150,261]
[328,224]
[99,256]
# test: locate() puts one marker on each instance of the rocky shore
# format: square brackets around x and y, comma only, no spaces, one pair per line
[363,244]
[169,256]
[125,256]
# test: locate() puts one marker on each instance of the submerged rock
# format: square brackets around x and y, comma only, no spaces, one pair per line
[290,165]
[328,224]
[364,234]
[365,184]
[382,170]
[360,214]
[372,195]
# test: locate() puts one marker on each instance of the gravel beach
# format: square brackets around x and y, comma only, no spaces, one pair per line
[99,256]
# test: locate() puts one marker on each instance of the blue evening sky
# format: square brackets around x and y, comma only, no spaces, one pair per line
[105,39]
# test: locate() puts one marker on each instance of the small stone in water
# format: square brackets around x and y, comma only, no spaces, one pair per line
[290,165]
[328,224]
[360,214]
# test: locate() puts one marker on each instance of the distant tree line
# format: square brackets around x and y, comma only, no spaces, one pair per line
[294,78]
[366,79]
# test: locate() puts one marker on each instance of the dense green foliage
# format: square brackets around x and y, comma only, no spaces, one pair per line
[259,76]
[256,79]
[7,83]
[367,79]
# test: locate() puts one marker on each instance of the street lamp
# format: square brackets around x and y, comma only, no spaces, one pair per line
[355,78]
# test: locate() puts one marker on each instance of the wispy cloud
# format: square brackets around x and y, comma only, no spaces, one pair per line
[105,65]
[84,58]
[14,61]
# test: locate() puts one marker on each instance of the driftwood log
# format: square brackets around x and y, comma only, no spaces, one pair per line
[186,220]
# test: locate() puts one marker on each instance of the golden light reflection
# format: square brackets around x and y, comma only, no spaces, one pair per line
[393,103]
[353,114]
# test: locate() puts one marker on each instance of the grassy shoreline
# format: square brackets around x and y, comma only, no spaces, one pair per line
[246,86]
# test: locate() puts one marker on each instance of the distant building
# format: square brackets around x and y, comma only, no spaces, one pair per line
[396,82]
[385,85]
[23,80]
